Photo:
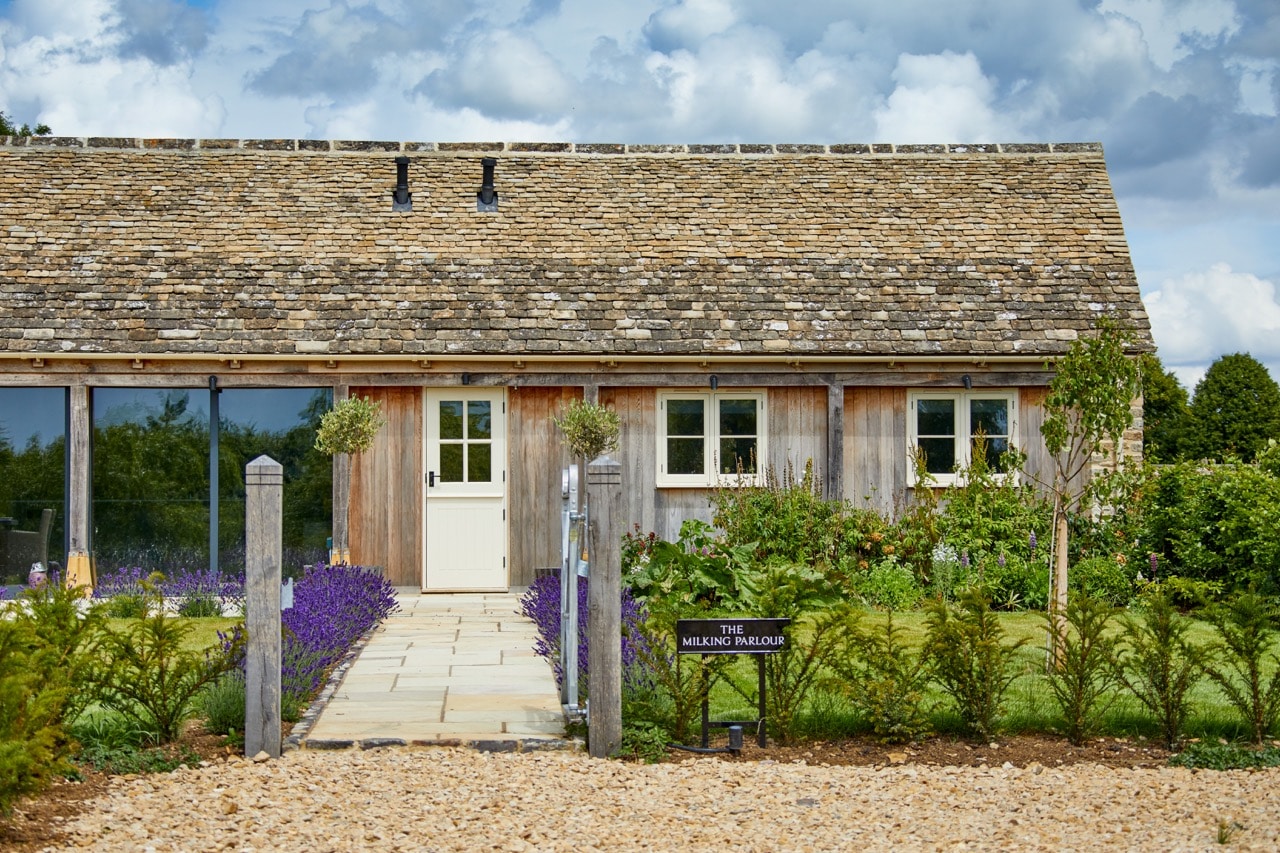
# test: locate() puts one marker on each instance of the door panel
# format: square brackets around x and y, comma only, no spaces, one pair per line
[466,494]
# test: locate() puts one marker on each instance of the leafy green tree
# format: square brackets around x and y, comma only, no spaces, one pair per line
[1089,404]
[1235,410]
[1165,412]
[8,128]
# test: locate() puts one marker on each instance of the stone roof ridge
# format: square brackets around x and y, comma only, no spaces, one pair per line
[340,146]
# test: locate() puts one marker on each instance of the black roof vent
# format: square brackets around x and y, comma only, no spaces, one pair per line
[401,198]
[487,198]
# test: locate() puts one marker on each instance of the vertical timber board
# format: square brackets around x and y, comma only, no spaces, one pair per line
[637,452]
[797,432]
[386,490]
[1030,418]
[537,459]
[80,499]
[875,453]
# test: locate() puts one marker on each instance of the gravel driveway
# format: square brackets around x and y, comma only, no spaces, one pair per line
[456,799]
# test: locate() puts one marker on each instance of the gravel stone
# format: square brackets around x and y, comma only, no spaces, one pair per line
[450,799]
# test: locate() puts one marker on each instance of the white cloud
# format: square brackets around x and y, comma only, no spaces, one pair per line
[942,98]
[503,74]
[1172,29]
[687,23]
[1200,316]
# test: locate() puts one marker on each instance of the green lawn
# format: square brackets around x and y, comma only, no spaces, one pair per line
[1029,704]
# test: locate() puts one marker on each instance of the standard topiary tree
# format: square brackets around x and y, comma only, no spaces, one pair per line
[348,428]
[1235,410]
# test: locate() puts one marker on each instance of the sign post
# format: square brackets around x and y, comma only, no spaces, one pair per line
[733,636]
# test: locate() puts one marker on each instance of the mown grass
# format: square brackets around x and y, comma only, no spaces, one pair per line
[1029,705]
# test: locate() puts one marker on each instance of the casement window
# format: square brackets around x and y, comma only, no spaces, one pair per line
[711,438]
[945,427]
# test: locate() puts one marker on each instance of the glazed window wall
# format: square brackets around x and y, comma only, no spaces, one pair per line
[151,483]
[33,452]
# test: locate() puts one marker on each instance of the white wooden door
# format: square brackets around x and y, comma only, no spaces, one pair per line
[466,491]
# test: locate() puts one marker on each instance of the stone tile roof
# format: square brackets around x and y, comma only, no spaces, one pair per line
[226,247]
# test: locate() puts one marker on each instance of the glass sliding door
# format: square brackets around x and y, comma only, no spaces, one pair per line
[33,423]
[280,423]
[150,479]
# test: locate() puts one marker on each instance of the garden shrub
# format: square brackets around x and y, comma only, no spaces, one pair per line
[1107,578]
[969,659]
[222,704]
[68,633]
[126,592]
[33,744]
[148,676]
[1013,582]
[1083,678]
[1247,632]
[1161,664]
[885,680]
[333,607]
[888,585]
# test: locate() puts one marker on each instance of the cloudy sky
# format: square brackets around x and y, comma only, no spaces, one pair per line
[1183,94]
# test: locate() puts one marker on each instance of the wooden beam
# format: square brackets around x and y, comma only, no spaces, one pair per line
[835,442]
[80,495]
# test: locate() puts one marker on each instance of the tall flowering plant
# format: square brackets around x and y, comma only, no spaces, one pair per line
[541,603]
[333,606]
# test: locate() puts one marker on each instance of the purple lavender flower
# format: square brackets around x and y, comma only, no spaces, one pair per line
[1155,564]
[1000,560]
[964,559]
[1032,541]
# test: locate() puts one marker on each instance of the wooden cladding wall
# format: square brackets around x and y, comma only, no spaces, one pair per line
[875,456]
[537,460]
[798,432]
[386,490]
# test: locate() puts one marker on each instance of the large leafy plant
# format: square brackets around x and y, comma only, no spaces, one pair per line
[350,426]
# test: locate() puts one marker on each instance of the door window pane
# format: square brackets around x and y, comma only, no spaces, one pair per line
[32,477]
[450,419]
[451,456]
[479,465]
[479,420]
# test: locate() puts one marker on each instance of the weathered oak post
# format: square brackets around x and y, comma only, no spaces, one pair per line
[604,607]
[264,501]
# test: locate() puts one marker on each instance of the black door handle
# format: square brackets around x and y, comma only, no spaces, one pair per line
[431,479]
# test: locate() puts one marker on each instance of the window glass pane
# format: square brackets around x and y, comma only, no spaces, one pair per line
[479,456]
[684,418]
[989,417]
[280,423]
[935,417]
[32,477]
[150,478]
[685,456]
[451,463]
[478,419]
[737,417]
[995,449]
[939,454]
[737,455]
[451,419]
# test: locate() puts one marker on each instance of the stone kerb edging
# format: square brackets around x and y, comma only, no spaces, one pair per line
[339,146]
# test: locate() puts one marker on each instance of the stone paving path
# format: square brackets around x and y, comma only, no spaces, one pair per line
[445,669]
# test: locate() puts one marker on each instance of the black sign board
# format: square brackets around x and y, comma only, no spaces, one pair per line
[730,636]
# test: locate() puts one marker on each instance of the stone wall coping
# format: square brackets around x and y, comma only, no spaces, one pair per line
[750,150]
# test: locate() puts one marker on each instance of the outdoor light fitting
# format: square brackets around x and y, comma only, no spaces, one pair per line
[487,198]
[401,198]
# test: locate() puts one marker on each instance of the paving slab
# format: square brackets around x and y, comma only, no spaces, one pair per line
[445,668]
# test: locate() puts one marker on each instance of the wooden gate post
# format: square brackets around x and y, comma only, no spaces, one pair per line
[264,502]
[604,607]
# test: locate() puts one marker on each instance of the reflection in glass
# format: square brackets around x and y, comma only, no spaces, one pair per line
[936,417]
[684,456]
[451,419]
[939,454]
[737,455]
[32,476]
[478,463]
[451,456]
[685,418]
[151,474]
[478,419]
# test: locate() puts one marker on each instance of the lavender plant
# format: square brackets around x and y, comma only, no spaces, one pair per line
[204,592]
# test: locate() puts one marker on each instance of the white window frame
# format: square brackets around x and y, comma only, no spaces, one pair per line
[963,454]
[711,439]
